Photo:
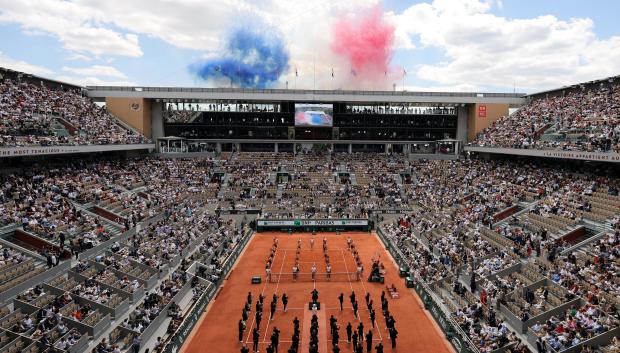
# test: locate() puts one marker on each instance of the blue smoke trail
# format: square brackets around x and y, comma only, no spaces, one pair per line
[253,59]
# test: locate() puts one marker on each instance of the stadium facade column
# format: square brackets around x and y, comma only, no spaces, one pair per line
[461,124]
[275,147]
[350,148]
[157,119]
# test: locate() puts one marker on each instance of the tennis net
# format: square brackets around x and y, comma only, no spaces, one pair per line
[309,277]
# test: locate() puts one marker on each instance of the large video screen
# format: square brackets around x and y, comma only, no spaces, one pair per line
[312,114]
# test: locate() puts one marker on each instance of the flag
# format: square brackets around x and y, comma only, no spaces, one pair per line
[296,74]
[332,72]
[353,72]
[405,72]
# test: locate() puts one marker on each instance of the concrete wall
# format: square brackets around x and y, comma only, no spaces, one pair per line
[477,123]
[157,120]
[462,124]
[135,112]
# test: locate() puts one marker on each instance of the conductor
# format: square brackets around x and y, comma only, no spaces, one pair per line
[315,296]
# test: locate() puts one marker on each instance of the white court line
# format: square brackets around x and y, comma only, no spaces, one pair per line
[349,279]
[365,291]
[275,292]
[346,268]
[313,262]
[247,340]
[312,251]
[287,341]
[376,321]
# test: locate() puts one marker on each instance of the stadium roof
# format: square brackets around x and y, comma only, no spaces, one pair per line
[188,94]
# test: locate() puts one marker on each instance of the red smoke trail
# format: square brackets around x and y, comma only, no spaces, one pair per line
[366,42]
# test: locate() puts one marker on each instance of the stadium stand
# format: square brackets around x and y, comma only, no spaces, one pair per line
[580,120]
[32,114]
[514,270]
[453,237]
[101,253]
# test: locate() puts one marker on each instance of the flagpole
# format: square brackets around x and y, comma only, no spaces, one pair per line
[314,74]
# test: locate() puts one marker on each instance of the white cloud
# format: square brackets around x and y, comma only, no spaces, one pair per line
[78,57]
[462,87]
[19,65]
[480,48]
[203,25]
[96,70]
[79,28]
[93,81]
[190,24]
[486,50]
[96,75]
[84,27]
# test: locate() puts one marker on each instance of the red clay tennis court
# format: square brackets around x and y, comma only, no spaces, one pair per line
[217,331]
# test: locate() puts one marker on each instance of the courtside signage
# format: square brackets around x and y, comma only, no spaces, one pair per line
[52,150]
[312,222]
[276,223]
[583,156]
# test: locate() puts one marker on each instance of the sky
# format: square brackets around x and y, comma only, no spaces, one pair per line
[430,45]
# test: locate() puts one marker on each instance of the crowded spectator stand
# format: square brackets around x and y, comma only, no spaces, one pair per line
[451,235]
